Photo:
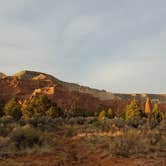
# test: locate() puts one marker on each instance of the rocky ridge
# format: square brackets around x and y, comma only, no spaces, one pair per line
[27,84]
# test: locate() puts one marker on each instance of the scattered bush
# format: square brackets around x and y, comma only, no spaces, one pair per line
[118,122]
[77,112]
[106,114]
[162,126]
[136,121]
[70,132]
[4,131]
[124,145]
[43,123]
[46,121]
[26,137]
[77,120]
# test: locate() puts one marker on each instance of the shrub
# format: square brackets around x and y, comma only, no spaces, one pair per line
[124,145]
[80,112]
[136,121]
[6,120]
[70,132]
[26,137]
[58,121]
[105,125]
[51,112]
[118,122]
[6,147]
[4,130]
[22,122]
[4,141]
[13,109]
[76,120]
[162,126]
[107,113]
[153,136]
[16,113]
[42,123]
[110,114]
[91,120]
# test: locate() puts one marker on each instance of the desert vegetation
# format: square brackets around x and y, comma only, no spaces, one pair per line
[38,127]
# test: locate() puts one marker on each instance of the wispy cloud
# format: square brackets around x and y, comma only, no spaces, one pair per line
[110,44]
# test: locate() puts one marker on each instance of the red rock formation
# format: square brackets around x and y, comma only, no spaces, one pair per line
[25,88]
[26,84]
[148,106]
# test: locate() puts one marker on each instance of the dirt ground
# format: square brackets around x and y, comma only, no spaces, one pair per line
[84,150]
[50,160]
[76,153]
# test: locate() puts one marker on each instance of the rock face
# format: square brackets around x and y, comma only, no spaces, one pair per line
[27,84]
[148,106]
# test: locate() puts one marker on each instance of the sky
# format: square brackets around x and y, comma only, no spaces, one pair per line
[116,45]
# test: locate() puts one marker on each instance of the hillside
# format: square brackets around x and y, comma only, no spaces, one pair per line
[101,94]
[27,84]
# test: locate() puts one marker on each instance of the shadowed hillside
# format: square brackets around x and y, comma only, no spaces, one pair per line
[102,94]
[27,84]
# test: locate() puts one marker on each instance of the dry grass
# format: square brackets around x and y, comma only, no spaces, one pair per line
[75,143]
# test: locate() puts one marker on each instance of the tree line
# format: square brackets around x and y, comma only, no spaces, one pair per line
[43,106]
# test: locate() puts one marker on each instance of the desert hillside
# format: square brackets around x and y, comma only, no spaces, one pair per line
[45,121]
[27,84]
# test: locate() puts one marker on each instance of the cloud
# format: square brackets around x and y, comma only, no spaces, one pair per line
[134,75]
[110,44]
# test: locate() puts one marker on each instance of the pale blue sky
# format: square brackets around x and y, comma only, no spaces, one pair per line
[117,45]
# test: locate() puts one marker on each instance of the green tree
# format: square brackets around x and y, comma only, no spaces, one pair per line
[110,114]
[41,106]
[54,112]
[12,108]
[80,112]
[38,106]
[157,115]
[102,116]
[133,111]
